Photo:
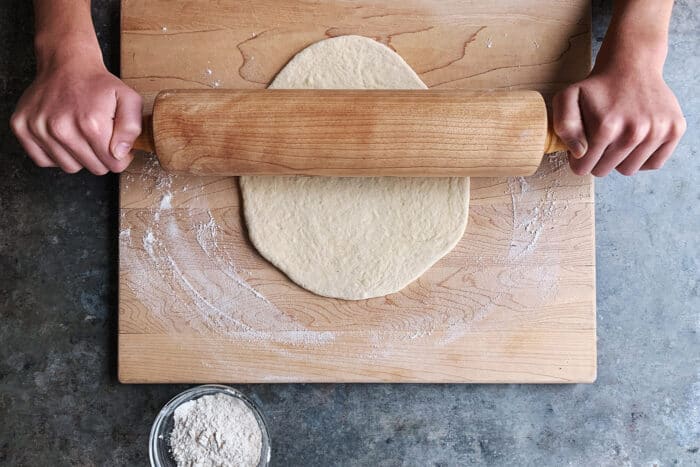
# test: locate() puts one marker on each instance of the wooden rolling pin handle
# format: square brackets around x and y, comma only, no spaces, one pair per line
[145,140]
[552,142]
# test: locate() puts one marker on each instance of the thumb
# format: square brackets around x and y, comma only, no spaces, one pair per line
[568,124]
[127,123]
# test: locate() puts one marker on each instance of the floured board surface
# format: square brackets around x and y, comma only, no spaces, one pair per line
[514,301]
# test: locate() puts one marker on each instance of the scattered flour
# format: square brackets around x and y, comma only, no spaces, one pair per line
[533,211]
[530,221]
[216,430]
[168,276]
[125,235]
[206,238]
[166,201]
[192,301]
[148,240]
[157,179]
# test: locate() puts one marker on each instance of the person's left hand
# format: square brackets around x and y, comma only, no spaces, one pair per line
[621,117]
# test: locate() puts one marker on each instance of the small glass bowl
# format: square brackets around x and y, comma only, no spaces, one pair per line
[159,442]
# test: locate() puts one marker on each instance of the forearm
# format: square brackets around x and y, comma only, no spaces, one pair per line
[64,31]
[638,35]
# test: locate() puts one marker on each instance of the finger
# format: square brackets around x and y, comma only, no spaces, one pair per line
[83,153]
[610,159]
[602,132]
[660,156]
[53,148]
[638,157]
[567,120]
[584,165]
[618,151]
[96,131]
[127,123]
[65,133]
[25,138]
[37,154]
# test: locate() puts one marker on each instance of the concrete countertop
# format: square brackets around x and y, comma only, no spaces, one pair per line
[60,402]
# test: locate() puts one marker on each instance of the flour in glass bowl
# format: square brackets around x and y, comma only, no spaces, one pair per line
[216,430]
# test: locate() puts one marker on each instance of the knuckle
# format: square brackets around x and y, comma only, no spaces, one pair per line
[91,124]
[59,127]
[678,128]
[636,133]
[138,99]
[661,121]
[132,129]
[567,128]
[134,96]
[658,132]
[16,123]
[607,127]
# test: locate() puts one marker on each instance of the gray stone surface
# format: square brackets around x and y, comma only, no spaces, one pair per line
[60,402]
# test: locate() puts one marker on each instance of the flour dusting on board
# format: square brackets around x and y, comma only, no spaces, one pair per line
[165,201]
[206,239]
[208,293]
[180,287]
[529,220]
[526,269]
[532,216]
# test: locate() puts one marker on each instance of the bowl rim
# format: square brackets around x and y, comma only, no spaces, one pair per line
[195,393]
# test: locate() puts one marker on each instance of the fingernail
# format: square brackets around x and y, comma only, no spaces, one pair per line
[577,148]
[121,150]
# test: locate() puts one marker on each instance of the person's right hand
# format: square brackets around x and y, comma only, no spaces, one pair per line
[78,115]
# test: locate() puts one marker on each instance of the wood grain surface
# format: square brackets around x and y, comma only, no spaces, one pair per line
[514,301]
[442,133]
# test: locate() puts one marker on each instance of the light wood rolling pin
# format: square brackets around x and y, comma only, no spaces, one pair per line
[350,133]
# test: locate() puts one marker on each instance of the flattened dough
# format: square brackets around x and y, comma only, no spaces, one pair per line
[353,238]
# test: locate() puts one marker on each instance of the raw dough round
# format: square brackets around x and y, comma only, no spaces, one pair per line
[353,238]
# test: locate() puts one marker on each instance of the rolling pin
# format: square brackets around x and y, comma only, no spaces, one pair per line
[349,133]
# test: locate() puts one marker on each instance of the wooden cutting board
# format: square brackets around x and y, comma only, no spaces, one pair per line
[515,300]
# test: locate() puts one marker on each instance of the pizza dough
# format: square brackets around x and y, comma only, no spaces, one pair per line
[353,238]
